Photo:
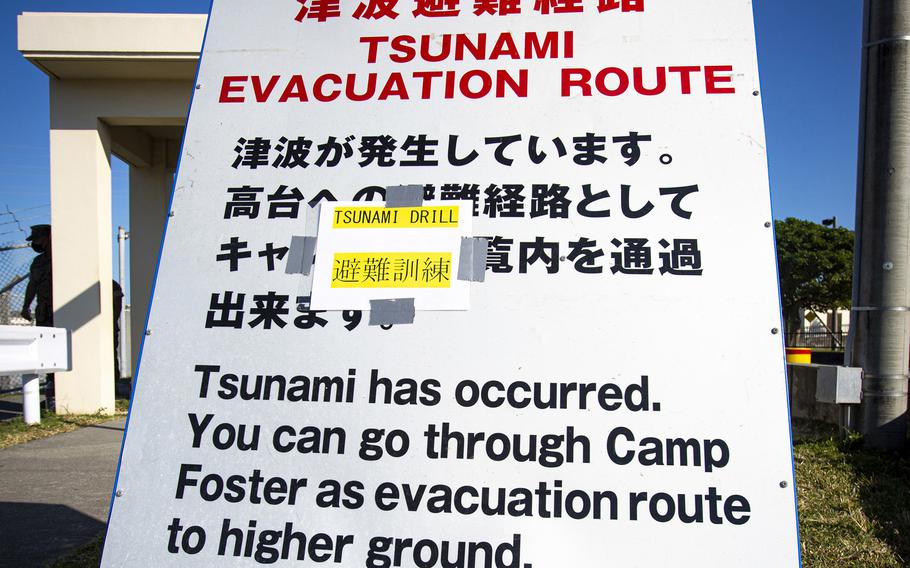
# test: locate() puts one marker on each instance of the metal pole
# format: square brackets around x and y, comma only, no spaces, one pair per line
[881,286]
[31,399]
[122,235]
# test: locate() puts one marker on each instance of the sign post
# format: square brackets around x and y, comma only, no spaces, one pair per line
[446,283]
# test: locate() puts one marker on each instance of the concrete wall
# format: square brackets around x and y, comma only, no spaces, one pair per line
[802,382]
[83,114]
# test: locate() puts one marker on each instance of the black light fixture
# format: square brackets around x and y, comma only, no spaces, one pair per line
[832,222]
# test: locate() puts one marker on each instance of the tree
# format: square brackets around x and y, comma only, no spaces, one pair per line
[816,267]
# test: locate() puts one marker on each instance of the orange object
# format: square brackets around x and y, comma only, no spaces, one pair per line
[799,355]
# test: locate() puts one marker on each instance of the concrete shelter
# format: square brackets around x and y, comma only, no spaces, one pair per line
[119,84]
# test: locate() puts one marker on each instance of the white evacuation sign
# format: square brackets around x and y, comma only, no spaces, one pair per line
[584,401]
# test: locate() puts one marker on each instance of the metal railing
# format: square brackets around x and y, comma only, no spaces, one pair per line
[32,352]
[818,339]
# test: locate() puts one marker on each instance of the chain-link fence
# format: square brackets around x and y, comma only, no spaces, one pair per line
[15,259]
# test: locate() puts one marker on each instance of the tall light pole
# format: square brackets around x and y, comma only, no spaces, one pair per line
[881,295]
[122,236]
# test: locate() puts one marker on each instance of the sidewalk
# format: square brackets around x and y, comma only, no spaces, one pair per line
[55,493]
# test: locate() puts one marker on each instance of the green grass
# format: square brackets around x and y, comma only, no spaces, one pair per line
[854,505]
[16,431]
[89,556]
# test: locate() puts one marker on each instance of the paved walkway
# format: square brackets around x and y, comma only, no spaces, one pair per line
[55,493]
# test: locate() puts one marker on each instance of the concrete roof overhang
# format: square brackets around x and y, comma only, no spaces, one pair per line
[112,46]
[113,51]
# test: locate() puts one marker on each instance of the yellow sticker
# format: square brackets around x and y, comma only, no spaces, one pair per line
[429,217]
[392,270]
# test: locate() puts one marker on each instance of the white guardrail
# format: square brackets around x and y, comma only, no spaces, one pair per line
[31,352]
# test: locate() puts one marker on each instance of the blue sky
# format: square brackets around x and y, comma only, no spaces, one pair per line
[809,58]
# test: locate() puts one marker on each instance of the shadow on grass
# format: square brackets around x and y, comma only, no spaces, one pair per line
[36,533]
[89,556]
[854,504]
[883,481]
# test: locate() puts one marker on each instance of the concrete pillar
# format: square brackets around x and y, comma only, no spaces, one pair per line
[881,282]
[150,189]
[80,173]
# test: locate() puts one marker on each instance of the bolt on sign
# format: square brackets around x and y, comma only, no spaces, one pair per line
[446,284]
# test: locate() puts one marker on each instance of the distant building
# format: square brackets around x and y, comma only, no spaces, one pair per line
[822,330]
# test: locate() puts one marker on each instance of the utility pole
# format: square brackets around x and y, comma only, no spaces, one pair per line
[122,236]
[881,294]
